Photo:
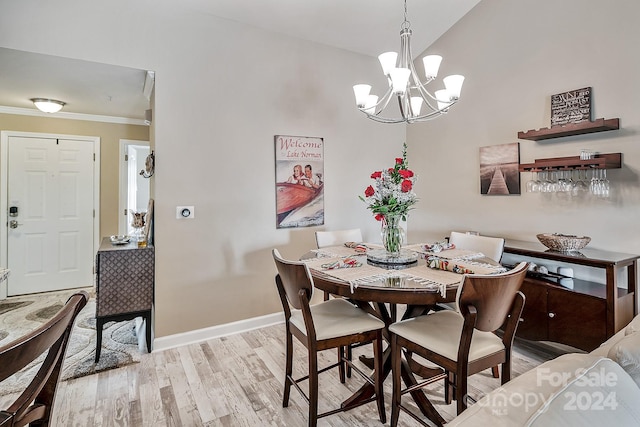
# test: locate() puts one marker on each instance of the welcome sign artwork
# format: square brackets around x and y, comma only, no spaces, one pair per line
[299,181]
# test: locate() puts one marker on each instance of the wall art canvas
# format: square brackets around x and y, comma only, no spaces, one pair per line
[299,181]
[499,174]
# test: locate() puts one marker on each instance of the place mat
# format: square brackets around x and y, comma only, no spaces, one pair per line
[341,251]
[366,274]
[463,266]
[363,274]
[447,253]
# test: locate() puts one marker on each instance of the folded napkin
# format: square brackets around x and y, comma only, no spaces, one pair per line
[448,265]
[358,247]
[342,263]
[438,247]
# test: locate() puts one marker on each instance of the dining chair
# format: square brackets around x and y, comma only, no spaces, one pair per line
[462,342]
[329,324]
[334,238]
[35,404]
[337,237]
[491,247]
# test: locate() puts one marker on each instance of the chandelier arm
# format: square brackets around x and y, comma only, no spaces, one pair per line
[386,97]
[424,93]
[402,106]
[432,115]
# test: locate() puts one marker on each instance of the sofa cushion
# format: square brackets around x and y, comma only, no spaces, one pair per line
[633,326]
[626,353]
[573,389]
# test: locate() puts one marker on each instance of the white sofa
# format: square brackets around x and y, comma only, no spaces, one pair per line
[601,388]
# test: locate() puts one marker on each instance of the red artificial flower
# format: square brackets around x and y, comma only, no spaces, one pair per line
[405,173]
[391,170]
[369,191]
[376,174]
[379,217]
[398,160]
[406,186]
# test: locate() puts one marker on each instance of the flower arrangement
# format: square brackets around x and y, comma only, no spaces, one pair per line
[393,192]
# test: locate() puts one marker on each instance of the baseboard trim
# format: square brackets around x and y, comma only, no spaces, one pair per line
[199,335]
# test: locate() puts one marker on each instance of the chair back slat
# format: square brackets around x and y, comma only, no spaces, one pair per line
[294,276]
[491,247]
[491,295]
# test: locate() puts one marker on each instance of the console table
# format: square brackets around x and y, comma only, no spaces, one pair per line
[585,314]
[124,286]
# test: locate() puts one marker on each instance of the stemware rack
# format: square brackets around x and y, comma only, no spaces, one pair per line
[599,161]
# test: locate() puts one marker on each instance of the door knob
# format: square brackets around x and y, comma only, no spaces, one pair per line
[13,223]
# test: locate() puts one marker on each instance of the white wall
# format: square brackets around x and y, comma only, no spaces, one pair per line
[222,92]
[515,55]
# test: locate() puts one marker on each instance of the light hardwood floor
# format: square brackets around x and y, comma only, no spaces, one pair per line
[234,381]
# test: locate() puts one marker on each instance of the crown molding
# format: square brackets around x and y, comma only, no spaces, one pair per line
[71,116]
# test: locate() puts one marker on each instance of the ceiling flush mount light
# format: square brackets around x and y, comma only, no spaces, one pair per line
[406,86]
[48,105]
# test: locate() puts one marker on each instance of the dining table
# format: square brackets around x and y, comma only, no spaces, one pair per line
[379,288]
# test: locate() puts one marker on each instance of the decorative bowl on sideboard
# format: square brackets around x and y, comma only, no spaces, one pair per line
[563,242]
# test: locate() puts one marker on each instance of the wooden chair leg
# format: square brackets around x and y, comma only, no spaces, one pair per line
[288,369]
[341,363]
[461,390]
[506,370]
[313,388]
[379,378]
[495,372]
[349,357]
[395,373]
[448,388]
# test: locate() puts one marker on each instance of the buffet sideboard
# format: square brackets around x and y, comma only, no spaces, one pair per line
[584,314]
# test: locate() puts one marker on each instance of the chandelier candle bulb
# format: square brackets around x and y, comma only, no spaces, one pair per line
[431,66]
[399,78]
[453,84]
[370,106]
[416,105]
[442,96]
[361,92]
[388,61]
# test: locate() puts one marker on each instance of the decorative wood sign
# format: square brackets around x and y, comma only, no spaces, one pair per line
[571,107]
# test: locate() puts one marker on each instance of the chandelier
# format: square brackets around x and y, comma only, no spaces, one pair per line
[406,86]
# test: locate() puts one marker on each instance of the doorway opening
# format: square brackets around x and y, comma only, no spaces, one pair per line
[134,188]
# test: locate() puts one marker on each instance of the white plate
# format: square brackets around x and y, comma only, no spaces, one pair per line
[120,240]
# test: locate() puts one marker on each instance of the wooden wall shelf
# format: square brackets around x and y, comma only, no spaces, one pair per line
[570,129]
[601,161]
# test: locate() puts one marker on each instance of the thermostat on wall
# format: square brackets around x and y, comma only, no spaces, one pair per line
[185,212]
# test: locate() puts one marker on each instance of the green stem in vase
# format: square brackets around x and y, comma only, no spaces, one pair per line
[392,234]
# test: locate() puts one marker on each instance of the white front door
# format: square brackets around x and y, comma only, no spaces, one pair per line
[50,208]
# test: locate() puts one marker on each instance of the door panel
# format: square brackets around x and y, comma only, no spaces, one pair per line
[534,315]
[51,183]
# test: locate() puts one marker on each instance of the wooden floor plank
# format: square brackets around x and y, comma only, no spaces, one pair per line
[236,381]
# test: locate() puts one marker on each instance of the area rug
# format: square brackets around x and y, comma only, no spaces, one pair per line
[21,315]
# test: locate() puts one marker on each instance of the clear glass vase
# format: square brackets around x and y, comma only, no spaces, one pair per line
[392,234]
